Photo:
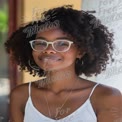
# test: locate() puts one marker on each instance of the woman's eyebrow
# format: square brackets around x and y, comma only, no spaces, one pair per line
[40,38]
[54,39]
[63,38]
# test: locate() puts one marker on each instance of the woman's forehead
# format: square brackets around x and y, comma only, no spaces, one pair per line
[52,34]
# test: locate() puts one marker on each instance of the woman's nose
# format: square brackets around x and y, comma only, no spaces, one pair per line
[49,49]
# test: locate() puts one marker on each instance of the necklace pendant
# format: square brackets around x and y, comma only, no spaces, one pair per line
[56,118]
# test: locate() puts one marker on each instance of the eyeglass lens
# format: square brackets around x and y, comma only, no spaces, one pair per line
[58,45]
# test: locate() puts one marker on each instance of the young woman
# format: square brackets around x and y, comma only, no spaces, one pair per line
[60,47]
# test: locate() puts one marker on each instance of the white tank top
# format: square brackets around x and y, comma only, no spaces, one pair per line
[84,113]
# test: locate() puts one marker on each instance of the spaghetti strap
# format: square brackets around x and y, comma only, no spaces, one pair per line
[93,89]
[29,89]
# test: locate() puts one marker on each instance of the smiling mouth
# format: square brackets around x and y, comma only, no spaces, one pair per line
[49,59]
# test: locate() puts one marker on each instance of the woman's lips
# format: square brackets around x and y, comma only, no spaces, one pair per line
[49,58]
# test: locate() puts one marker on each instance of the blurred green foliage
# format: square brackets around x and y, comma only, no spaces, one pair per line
[3,22]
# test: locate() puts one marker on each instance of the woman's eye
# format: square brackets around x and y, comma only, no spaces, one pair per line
[63,44]
[39,43]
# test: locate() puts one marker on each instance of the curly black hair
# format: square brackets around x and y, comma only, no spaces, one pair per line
[84,27]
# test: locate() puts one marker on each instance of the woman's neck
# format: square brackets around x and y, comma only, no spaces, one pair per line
[57,81]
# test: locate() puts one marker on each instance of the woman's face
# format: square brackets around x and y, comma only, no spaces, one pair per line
[49,59]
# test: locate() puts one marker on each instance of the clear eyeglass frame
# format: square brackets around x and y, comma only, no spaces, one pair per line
[51,43]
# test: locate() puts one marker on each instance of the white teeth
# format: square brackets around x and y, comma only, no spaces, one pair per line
[46,59]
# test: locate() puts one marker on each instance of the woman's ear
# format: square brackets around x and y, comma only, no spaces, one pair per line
[81,54]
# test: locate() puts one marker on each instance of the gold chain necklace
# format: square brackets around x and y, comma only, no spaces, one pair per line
[60,108]
[49,112]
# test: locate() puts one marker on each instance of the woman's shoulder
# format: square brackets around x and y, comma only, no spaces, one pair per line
[107,97]
[19,96]
[20,90]
[107,91]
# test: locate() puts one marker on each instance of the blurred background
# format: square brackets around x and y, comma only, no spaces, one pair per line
[15,13]
[4,82]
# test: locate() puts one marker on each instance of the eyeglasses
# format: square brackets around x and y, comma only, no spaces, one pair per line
[59,45]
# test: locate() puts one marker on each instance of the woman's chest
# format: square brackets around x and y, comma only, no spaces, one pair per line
[57,107]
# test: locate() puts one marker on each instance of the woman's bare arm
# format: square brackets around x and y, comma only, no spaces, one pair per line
[17,104]
[110,106]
